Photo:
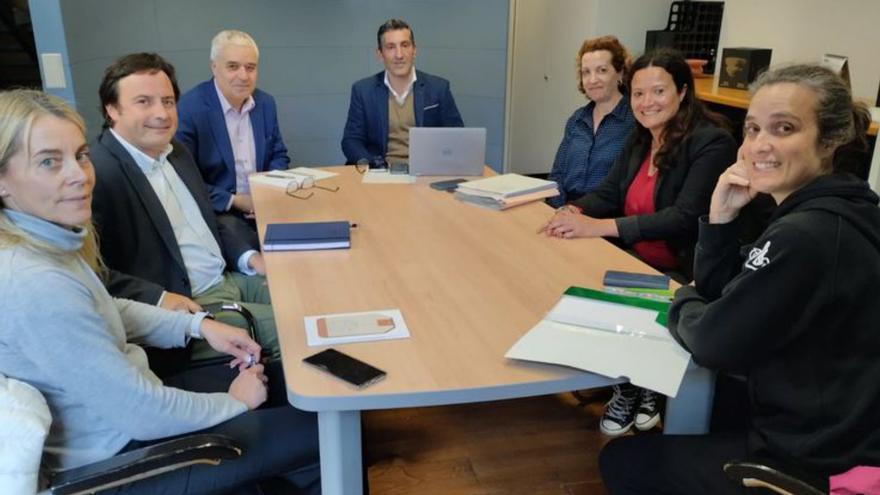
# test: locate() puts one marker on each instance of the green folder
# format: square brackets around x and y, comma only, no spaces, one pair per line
[662,308]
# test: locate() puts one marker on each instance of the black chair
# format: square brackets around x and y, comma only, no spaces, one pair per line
[228,307]
[758,475]
[144,463]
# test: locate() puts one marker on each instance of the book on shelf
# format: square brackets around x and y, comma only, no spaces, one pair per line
[505,186]
[609,334]
[304,236]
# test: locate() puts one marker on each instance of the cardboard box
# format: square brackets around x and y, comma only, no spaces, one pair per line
[741,66]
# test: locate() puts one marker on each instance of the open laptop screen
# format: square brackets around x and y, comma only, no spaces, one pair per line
[447,150]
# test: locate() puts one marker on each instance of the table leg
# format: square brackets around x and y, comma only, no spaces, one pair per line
[690,412]
[339,434]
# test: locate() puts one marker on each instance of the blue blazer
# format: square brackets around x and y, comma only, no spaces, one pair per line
[202,130]
[366,130]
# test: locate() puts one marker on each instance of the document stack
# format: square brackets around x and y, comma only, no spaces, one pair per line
[505,191]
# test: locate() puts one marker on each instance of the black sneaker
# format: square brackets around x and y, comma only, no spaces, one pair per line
[649,410]
[620,411]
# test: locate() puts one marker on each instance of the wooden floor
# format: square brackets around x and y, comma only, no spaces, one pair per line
[537,446]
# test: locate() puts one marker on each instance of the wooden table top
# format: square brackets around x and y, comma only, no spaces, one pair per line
[469,282]
[708,90]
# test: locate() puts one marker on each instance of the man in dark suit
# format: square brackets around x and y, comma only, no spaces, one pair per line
[230,126]
[384,106]
[154,220]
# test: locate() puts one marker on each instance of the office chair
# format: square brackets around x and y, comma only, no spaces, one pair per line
[25,420]
[144,463]
[228,307]
[756,475]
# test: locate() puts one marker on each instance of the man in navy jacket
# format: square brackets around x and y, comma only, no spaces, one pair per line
[384,106]
[229,126]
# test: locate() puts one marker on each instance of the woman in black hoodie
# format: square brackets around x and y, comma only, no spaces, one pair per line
[797,312]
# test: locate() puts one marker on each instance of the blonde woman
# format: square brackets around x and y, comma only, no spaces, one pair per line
[63,334]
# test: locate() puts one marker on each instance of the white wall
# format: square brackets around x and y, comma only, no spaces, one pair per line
[802,30]
[544,41]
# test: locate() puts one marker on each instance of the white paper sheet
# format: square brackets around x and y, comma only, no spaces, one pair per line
[611,317]
[400,330]
[312,172]
[650,363]
[385,177]
[615,340]
[281,178]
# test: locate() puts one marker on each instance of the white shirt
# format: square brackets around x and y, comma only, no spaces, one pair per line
[201,254]
[241,137]
[401,98]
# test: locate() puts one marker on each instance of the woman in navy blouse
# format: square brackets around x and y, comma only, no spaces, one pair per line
[595,133]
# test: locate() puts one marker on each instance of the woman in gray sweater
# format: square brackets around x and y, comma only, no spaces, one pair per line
[65,335]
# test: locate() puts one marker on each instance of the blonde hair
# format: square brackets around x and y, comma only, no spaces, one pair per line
[19,109]
[232,37]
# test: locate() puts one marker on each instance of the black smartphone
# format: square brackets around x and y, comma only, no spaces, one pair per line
[345,367]
[447,185]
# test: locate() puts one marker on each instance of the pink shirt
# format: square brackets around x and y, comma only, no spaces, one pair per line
[241,137]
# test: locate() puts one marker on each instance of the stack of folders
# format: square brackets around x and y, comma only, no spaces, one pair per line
[305,236]
[643,285]
[505,191]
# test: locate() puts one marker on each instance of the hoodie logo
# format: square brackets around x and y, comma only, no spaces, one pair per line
[758,257]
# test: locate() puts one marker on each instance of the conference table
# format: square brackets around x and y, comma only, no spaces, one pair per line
[469,282]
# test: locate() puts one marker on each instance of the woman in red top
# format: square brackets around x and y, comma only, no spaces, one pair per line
[654,193]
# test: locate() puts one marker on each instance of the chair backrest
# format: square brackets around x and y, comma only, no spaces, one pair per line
[24,424]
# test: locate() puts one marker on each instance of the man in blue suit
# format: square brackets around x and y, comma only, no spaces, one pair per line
[229,126]
[384,106]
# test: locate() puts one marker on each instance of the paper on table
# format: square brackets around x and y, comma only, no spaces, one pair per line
[650,363]
[274,180]
[611,335]
[602,315]
[313,173]
[281,178]
[384,177]
[399,330]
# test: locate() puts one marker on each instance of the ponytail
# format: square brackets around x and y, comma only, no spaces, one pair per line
[850,156]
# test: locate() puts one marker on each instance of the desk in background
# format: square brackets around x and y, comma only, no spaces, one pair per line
[708,90]
[469,282]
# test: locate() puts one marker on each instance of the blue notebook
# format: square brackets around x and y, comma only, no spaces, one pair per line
[635,280]
[307,236]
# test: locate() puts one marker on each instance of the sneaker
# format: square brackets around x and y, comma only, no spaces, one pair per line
[649,410]
[620,411]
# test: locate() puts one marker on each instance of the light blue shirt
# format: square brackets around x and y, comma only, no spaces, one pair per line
[81,348]
[198,247]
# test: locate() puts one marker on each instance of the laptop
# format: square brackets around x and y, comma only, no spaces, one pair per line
[447,150]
